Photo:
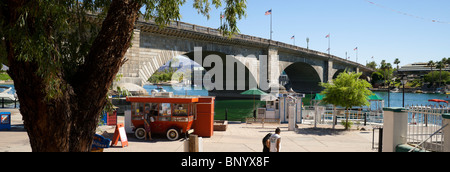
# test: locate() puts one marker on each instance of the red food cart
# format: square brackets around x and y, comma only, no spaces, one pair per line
[171,116]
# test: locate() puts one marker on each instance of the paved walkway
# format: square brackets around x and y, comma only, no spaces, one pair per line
[248,138]
[238,138]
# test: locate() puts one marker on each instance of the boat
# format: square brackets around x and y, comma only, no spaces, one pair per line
[395,90]
[418,91]
[440,91]
[158,89]
[7,97]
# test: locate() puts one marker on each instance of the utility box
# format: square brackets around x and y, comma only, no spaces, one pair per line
[5,121]
[204,124]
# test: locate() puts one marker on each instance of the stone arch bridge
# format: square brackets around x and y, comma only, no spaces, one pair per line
[153,46]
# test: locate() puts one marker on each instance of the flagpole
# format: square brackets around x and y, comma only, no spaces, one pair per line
[221,23]
[294,39]
[271,31]
[329,44]
[357,55]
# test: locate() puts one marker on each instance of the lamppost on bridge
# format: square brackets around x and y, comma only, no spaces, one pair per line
[307,43]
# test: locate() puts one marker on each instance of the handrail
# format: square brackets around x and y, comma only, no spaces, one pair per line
[421,143]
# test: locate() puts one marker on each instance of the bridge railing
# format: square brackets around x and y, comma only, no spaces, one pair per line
[217,32]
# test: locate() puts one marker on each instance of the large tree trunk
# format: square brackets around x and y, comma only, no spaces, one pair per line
[96,75]
[47,122]
[68,123]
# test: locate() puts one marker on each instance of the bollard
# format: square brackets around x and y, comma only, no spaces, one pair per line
[365,119]
[380,140]
[193,143]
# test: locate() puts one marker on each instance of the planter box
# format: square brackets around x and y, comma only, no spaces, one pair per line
[220,125]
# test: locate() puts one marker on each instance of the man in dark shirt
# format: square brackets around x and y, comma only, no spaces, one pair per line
[266,143]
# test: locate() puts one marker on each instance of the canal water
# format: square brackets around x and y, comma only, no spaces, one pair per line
[239,109]
[396,99]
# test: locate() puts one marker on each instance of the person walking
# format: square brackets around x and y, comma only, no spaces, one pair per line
[275,141]
[147,124]
[266,143]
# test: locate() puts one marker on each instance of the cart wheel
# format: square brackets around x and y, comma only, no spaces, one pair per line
[173,134]
[140,133]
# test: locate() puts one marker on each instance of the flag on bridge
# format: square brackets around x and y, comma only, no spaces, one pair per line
[328,36]
[293,37]
[356,48]
[268,12]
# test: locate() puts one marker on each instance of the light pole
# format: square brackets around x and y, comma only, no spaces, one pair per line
[404,81]
[307,43]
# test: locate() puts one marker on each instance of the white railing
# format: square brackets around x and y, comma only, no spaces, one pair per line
[425,126]
[326,117]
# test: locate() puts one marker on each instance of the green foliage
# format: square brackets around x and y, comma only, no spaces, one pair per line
[434,77]
[165,11]
[372,65]
[4,76]
[387,73]
[347,124]
[347,90]
[377,77]
[161,76]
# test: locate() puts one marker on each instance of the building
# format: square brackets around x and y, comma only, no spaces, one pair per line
[419,69]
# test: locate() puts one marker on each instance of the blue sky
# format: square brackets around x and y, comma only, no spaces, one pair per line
[386,30]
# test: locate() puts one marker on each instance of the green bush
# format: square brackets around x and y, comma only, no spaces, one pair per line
[348,124]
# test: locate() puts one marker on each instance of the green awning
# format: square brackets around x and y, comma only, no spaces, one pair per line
[254,91]
[319,97]
[375,97]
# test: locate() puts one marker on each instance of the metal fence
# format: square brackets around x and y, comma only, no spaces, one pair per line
[424,126]
[323,116]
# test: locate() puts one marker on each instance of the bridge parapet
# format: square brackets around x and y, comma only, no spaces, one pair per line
[178,28]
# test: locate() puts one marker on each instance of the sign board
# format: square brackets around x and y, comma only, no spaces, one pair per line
[120,133]
[100,142]
[5,121]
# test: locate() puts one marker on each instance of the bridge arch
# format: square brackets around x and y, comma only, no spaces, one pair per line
[243,78]
[336,74]
[303,78]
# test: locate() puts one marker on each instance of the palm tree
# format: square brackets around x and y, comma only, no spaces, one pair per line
[440,65]
[397,61]
[431,64]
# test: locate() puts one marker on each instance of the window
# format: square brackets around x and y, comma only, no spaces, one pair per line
[180,109]
[165,112]
[137,111]
[151,110]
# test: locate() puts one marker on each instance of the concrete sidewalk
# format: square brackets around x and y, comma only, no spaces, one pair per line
[238,138]
[248,138]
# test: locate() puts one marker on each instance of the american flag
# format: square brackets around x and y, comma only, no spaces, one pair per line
[269,12]
[293,37]
[356,48]
[328,36]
